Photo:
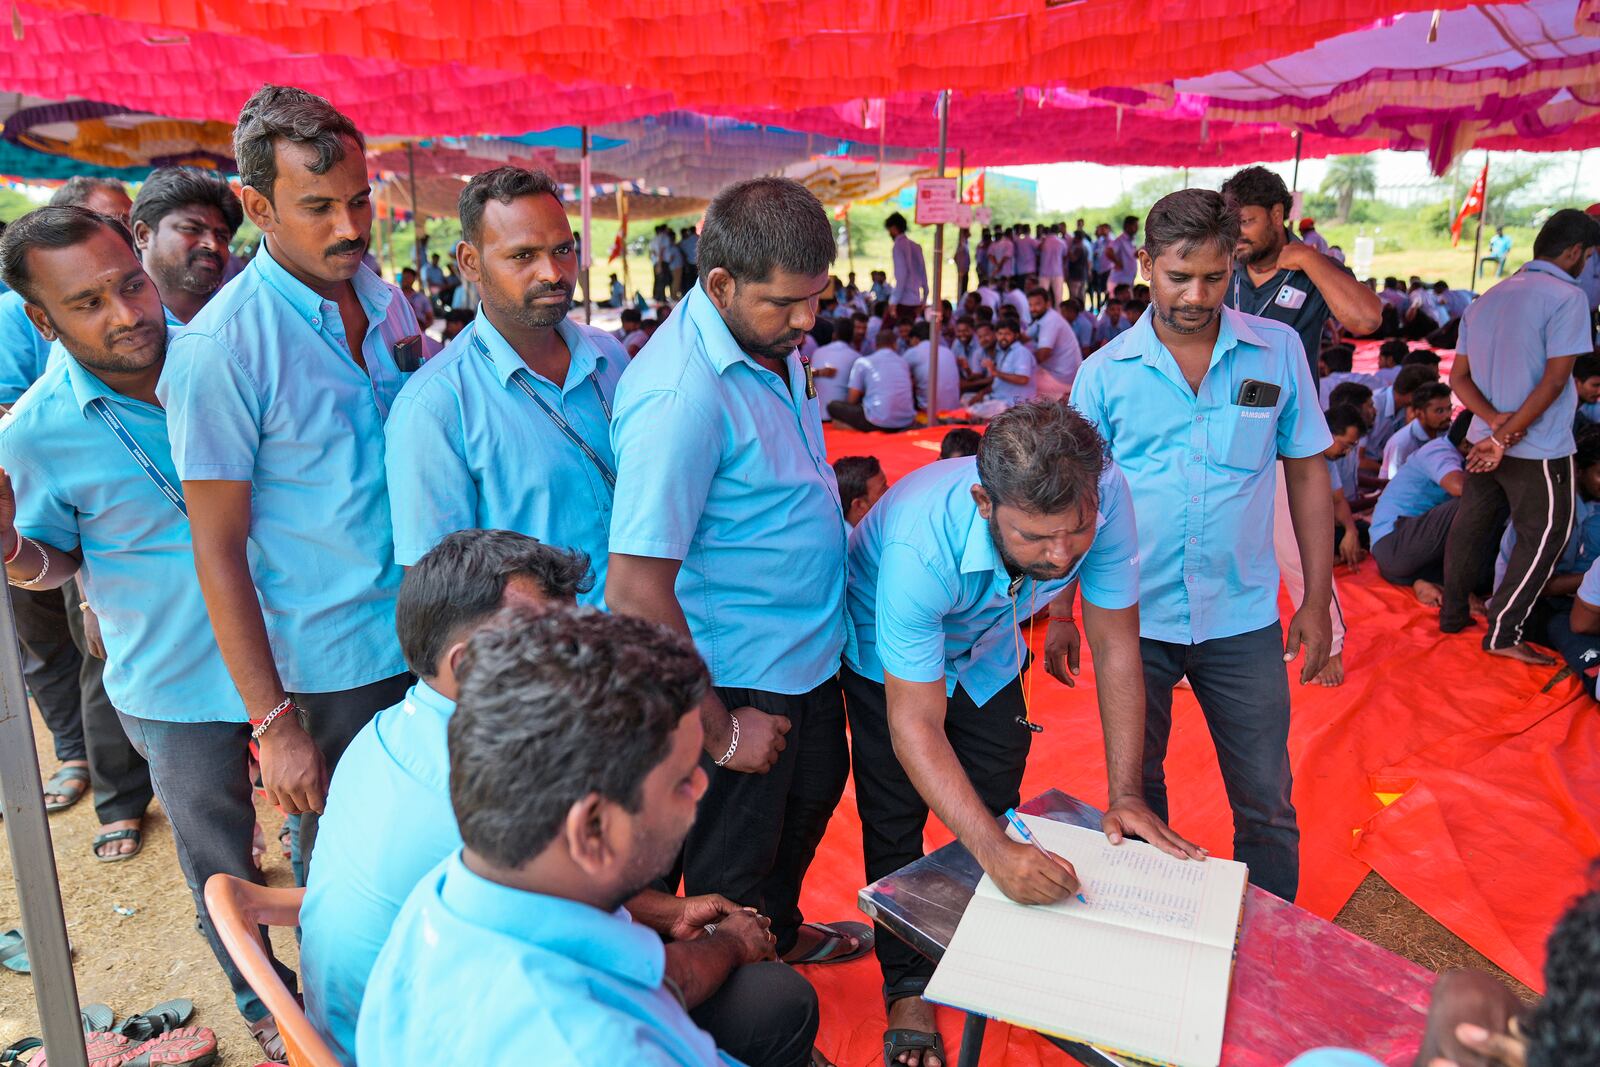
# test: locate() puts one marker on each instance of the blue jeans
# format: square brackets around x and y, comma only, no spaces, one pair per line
[1243,688]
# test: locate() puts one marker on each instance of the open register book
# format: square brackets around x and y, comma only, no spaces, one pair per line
[1143,968]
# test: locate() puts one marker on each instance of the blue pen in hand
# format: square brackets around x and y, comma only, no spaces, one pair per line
[1027,835]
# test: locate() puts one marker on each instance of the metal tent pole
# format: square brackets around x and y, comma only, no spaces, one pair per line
[416,212]
[33,862]
[586,260]
[935,324]
[1294,184]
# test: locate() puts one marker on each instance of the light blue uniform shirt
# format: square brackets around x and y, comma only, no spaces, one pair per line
[930,597]
[24,353]
[392,785]
[722,465]
[1201,469]
[1349,467]
[1389,421]
[566,983]
[261,388]
[1334,1057]
[918,358]
[78,487]
[1335,478]
[1083,330]
[970,354]
[1583,543]
[1015,360]
[1416,489]
[885,381]
[468,449]
[1509,334]
[1589,589]
[839,357]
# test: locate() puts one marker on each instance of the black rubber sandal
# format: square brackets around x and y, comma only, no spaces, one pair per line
[161,1019]
[897,1043]
[136,836]
[59,783]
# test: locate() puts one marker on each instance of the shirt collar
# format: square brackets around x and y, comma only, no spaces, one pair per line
[426,696]
[507,362]
[307,303]
[978,554]
[1139,341]
[611,943]
[1544,267]
[715,337]
[86,386]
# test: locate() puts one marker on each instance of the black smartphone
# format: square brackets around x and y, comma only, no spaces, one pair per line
[408,353]
[1254,394]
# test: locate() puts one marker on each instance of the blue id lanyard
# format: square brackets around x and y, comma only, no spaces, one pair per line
[139,455]
[520,376]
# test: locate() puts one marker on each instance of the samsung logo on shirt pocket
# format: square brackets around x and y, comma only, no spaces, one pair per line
[1257,413]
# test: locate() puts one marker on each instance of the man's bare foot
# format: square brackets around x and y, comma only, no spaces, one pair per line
[914,1013]
[1428,594]
[1332,674]
[1524,653]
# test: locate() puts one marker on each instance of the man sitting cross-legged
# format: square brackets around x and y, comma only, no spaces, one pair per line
[389,821]
[574,777]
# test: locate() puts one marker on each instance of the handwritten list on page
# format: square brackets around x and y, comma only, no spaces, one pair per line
[1143,967]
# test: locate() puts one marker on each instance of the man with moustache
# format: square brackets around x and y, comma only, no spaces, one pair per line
[183,221]
[1197,403]
[942,571]
[277,393]
[97,497]
[509,427]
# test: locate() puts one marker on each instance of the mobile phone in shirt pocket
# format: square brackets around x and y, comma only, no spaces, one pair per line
[1249,437]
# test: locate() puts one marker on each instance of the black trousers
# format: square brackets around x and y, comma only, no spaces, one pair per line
[333,720]
[855,417]
[1539,495]
[66,685]
[765,1015]
[993,749]
[756,834]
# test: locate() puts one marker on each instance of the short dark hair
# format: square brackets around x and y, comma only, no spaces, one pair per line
[503,184]
[822,330]
[1394,349]
[961,441]
[75,192]
[1564,1027]
[1586,447]
[556,706]
[1190,218]
[1343,416]
[283,113]
[1257,187]
[1414,377]
[1428,392]
[897,220]
[460,582]
[171,188]
[1421,355]
[755,227]
[1459,427]
[853,473]
[1131,218]
[48,228]
[1586,366]
[1566,228]
[631,315]
[1339,358]
[1350,393]
[1042,457]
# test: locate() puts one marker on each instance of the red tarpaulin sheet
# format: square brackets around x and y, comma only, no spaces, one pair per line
[1491,839]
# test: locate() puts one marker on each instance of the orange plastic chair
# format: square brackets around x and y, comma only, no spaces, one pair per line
[238,910]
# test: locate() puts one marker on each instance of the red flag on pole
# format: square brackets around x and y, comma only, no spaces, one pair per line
[975,192]
[620,245]
[1472,205]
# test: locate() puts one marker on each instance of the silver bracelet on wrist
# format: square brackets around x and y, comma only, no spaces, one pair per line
[733,746]
[43,571]
[271,717]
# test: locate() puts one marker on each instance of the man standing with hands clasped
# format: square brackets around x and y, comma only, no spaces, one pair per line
[1513,371]
[1197,403]
[942,571]
[276,396]
[727,528]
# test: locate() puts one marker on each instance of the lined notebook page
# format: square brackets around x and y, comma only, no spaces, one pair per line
[1143,968]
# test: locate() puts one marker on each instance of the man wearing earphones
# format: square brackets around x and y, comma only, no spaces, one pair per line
[944,572]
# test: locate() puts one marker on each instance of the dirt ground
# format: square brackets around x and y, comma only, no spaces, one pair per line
[133,962]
